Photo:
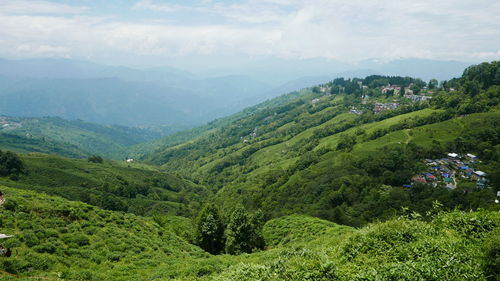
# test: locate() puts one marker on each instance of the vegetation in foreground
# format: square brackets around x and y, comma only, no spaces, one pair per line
[62,240]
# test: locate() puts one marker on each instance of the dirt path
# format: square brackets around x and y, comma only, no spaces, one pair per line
[408,136]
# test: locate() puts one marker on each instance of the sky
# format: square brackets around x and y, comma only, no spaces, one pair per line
[160,32]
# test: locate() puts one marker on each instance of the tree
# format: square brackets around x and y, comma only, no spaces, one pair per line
[244,232]
[471,88]
[210,230]
[346,143]
[95,159]
[433,84]
[10,164]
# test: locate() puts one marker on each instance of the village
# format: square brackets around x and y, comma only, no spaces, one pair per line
[7,124]
[449,170]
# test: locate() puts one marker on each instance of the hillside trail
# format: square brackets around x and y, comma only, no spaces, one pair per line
[408,136]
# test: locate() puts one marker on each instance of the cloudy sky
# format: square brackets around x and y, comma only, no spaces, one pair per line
[152,32]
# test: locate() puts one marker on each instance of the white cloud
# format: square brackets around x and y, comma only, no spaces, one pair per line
[150,5]
[345,30]
[38,7]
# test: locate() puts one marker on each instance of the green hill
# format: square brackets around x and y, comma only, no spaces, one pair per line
[63,240]
[25,144]
[343,151]
[76,138]
[113,185]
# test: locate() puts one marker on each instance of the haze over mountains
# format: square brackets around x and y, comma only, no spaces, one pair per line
[83,90]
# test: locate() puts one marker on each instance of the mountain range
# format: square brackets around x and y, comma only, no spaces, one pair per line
[167,96]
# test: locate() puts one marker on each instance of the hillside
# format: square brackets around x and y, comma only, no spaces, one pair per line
[24,144]
[58,239]
[62,240]
[112,185]
[344,150]
[76,138]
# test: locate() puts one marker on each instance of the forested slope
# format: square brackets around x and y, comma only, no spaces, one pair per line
[112,185]
[74,138]
[330,151]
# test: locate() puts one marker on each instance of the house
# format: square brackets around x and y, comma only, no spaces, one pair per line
[395,89]
[430,176]
[384,106]
[130,160]
[449,183]
[480,173]
[471,156]
[453,155]
[356,111]
[419,179]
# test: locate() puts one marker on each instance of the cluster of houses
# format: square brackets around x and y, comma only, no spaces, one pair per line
[385,106]
[252,135]
[356,111]
[417,98]
[391,88]
[5,123]
[447,171]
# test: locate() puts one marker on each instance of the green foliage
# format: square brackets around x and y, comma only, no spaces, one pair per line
[293,265]
[53,240]
[95,159]
[243,232]
[409,250]
[210,229]
[111,185]
[10,164]
[50,240]
[76,138]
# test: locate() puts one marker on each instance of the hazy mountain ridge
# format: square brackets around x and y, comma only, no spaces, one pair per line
[83,90]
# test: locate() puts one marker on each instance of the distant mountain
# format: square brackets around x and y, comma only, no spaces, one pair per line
[420,68]
[75,139]
[280,71]
[119,95]
[101,100]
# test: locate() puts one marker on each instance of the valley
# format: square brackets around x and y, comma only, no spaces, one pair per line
[344,180]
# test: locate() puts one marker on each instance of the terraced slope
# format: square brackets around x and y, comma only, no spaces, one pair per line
[76,139]
[324,152]
[113,185]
